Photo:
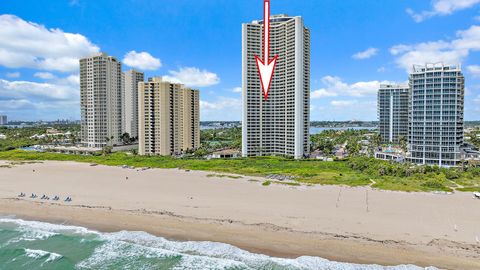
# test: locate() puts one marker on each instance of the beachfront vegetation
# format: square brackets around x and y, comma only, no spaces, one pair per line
[327,140]
[355,171]
[212,139]
[474,137]
[24,136]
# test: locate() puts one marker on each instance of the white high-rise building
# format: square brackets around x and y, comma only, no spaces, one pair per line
[3,120]
[100,100]
[131,79]
[436,108]
[279,125]
[393,112]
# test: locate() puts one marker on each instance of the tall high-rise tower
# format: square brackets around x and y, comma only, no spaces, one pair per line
[100,100]
[436,114]
[393,112]
[169,118]
[130,102]
[279,125]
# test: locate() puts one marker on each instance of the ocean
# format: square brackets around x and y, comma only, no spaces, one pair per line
[38,245]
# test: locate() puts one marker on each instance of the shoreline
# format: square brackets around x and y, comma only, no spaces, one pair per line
[255,238]
[193,207]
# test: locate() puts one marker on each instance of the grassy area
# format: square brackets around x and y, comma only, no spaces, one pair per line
[355,172]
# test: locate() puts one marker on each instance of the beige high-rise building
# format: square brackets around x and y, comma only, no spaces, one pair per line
[131,79]
[169,118]
[279,125]
[100,100]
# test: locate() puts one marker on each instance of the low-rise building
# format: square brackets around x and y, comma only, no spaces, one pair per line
[390,156]
[470,153]
[226,153]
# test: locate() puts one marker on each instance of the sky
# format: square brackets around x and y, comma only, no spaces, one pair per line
[355,46]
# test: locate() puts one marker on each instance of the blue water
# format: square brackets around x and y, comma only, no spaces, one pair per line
[36,245]
[317,130]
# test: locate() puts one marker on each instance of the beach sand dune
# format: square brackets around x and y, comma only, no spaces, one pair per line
[358,225]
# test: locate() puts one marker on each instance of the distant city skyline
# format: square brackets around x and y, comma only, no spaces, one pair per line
[356,46]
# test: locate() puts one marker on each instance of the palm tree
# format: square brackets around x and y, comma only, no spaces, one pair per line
[376,140]
[403,143]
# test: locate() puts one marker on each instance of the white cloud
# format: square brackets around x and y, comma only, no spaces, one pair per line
[401,48]
[442,8]
[474,70]
[381,69]
[141,60]
[30,45]
[192,77]
[368,53]
[44,75]
[222,108]
[477,100]
[221,103]
[334,86]
[26,90]
[237,90]
[449,52]
[32,100]
[12,74]
[323,93]
[343,103]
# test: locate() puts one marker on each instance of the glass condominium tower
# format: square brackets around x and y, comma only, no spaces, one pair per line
[280,124]
[436,107]
[393,112]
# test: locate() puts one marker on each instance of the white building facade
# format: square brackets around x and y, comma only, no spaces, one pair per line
[131,79]
[392,102]
[100,100]
[3,120]
[279,125]
[436,108]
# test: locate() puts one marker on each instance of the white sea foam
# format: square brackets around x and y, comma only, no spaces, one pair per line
[38,254]
[114,251]
[46,227]
[196,253]
[132,247]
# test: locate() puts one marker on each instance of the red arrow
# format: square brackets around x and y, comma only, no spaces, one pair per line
[266,70]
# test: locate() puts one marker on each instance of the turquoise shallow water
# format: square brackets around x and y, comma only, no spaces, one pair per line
[37,245]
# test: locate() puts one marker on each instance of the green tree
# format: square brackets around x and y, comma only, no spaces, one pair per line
[353,148]
[403,143]
[125,138]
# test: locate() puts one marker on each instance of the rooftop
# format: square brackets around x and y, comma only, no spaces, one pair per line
[436,67]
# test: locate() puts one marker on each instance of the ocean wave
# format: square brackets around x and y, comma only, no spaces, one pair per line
[140,250]
[39,254]
[134,256]
[196,253]
[46,227]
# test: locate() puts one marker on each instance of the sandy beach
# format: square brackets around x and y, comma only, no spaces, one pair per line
[358,225]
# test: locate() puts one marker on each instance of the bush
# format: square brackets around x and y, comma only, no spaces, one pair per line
[434,185]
